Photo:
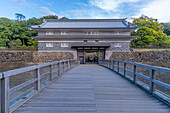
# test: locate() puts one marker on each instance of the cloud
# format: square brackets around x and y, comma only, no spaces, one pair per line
[76,13]
[21,2]
[46,11]
[109,5]
[157,9]
[105,9]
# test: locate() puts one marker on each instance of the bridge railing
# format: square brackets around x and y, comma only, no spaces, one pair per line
[19,85]
[154,80]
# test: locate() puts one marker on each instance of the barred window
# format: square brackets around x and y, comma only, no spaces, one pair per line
[49,44]
[117,45]
[92,33]
[85,40]
[63,33]
[64,44]
[96,40]
[49,33]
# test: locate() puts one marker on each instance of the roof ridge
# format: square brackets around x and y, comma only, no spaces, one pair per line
[82,20]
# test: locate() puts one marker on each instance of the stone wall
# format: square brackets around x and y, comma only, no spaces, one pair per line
[41,57]
[37,57]
[159,58]
[14,60]
[16,56]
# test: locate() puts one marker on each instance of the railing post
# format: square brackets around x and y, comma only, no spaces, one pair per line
[134,71]
[118,66]
[58,68]
[124,69]
[110,64]
[51,72]
[5,95]
[113,65]
[68,64]
[63,66]
[151,87]
[37,86]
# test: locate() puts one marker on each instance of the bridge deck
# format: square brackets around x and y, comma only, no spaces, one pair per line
[92,89]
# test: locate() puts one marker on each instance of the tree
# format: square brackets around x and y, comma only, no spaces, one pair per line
[149,32]
[166,28]
[17,43]
[50,17]
[17,33]
[33,42]
[19,16]
[64,18]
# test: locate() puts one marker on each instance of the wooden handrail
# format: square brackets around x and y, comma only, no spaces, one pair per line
[6,91]
[150,77]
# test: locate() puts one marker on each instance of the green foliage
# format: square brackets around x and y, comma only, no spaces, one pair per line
[3,42]
[149,32]
[16,34]
[32,42]
[19,16]
[50,17]
[17,43]
[166,27]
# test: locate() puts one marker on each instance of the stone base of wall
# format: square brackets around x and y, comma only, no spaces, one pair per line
[41,57]
[37,57]
[159,58]
[15,56]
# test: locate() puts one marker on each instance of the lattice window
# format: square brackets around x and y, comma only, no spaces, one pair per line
[63,33]
[49,44]
[64,44]
[117,45]
[49,33]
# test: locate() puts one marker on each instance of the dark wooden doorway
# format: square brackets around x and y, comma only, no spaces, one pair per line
[90,56]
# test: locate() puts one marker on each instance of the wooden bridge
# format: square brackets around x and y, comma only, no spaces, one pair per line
[57,87]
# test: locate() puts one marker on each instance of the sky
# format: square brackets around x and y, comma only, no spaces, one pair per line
[87,9]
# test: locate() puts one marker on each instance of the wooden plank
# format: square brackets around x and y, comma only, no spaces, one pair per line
[167,70]
[18,71]
[129,71]
[16,88]
[142,76]
[92,89]
[161,84]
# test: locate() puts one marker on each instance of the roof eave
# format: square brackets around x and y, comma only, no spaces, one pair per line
[88,28]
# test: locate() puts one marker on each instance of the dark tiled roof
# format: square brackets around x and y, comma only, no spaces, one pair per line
[83,37]
[82,23]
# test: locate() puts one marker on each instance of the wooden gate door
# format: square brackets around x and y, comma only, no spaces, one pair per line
[101,55]
[81,56]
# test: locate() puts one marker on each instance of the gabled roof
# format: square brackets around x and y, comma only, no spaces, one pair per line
[82,23]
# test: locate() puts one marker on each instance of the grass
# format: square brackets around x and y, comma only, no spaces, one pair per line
[140,50]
